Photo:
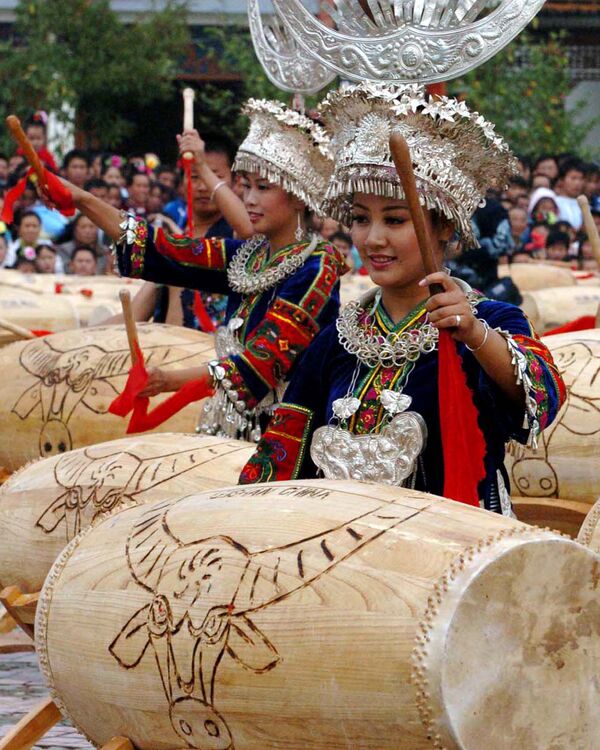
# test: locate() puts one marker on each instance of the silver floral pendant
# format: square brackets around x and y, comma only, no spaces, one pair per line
[343,408]
[394,402]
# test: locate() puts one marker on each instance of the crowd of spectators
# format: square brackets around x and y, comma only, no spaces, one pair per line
[537,218]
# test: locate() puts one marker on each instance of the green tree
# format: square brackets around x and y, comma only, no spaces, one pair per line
[76,56]
[523,91]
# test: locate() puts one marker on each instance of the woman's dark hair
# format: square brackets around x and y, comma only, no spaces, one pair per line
[39,248]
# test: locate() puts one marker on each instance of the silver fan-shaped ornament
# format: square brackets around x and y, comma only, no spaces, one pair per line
[407,41]
[286,64]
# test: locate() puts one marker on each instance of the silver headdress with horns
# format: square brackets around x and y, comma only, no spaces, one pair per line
[399,41]
[288,149]
[456,153]
[285,63]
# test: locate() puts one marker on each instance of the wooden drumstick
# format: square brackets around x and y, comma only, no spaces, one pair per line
[590,227]
[188,116]
[403,163]
[19,331]
[14,125]
[130,326]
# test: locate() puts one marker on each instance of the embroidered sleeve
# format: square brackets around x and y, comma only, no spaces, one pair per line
[306,301]
[534,368]
[152,254]
[281,451]
[545,390]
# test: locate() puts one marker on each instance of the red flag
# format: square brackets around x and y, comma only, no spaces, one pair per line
[130,401]
[53,190]
[580,324]
[463,444]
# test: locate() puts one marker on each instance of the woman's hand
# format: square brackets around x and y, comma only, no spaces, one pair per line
[158,382]
[451,309]
[190,141]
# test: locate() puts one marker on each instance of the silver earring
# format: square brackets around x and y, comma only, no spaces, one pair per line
[299,233]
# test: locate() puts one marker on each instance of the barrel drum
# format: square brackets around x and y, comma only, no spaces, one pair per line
[320,614]
[56,390]
[47,503]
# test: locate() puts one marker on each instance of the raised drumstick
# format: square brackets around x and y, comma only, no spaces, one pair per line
[188,116]
[14,125]
[590,227]
[403,163]
[130,326]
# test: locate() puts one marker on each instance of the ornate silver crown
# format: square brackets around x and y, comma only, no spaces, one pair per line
[456,153]
[288,149]
[399,41]
[286,64]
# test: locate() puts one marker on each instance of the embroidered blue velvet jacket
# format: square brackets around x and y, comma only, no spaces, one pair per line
[278,324]
[326,371]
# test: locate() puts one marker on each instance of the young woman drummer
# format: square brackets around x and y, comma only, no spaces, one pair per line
[363,403]
[283,285]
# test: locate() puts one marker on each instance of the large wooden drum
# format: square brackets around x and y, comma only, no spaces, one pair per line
[35,311]
[558,484]
[590,530]
[531,276]
[551,308]
[55,391]
[322,615]
[45,504]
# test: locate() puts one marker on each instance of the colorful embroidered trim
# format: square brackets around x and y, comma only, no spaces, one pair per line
[281,450]
[208,253]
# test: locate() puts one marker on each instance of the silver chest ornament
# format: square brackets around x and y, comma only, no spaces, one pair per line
[388,457]
[224,414]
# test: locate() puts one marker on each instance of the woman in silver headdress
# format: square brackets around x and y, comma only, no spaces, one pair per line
[282,285]
[346,413]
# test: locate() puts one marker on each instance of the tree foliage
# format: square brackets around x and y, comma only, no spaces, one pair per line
[523,91]
[78,53]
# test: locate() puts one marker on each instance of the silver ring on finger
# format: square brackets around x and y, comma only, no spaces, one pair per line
[457,321]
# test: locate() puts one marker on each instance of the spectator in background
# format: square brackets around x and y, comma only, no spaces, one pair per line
[35,130]
[111,171]
[28,235]
[138,188]
[568,186]
[519,222]
[344,244]
[167,177]
[76,167]
[586,259]
[25,263]
[543,201]
[83,262]
[98,187]
[45,259]
[3,170]
[540,180]
[557,247]
[547,166]
[114,197]
[82,232]
[591,187]
[518,187]
[15,162]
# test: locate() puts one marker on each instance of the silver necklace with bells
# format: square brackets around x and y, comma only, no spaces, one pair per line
[225,414]
[389,456]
